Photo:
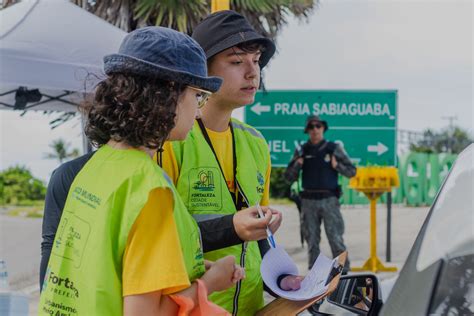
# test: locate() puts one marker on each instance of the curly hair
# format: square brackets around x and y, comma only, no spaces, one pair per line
[139,111]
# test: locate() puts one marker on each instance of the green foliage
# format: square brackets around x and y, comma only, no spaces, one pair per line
[266,16]
[179,15]
[61,151]
[19,186]
[32,211]
[279,187]
[447,140]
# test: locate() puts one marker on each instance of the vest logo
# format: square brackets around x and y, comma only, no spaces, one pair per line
[205,181]
[205,189]
[260,178]
[327,158]
[261,182]
[60,286]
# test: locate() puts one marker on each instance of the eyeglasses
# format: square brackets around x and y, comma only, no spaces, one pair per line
[202,96]
[317,125]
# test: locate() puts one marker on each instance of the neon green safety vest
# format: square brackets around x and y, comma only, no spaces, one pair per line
[84,275]
[205,194]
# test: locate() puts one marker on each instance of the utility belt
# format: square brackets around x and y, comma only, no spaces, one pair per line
[318,194]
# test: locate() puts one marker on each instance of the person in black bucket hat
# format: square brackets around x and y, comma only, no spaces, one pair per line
[225,29]
[127,245]
[229,160]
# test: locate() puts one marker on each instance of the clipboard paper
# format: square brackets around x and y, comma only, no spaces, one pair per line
[286,307]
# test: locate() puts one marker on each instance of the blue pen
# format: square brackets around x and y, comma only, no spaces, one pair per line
[270,238]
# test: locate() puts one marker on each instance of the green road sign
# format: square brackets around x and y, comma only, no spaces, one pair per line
[363,122]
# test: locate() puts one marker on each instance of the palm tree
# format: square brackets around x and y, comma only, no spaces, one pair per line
[266,16]
[61,151]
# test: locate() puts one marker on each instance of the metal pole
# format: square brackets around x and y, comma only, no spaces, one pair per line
[86,145]
[389,227]
[373,233]
[219,5]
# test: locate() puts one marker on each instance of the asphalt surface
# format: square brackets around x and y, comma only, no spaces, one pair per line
[21,237]
[20,240]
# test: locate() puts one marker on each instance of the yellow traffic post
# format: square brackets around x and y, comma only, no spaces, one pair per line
[373,182]
[219,5]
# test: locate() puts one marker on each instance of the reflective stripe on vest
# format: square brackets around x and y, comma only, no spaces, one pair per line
[205,194]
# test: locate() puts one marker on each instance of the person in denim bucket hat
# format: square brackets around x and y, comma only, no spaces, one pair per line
[134,248]
[233,157]
[163,53]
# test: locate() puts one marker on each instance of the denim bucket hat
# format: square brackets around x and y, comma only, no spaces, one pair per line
[162,53]
[225,29]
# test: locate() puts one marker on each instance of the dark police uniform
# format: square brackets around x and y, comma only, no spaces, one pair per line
[320,195]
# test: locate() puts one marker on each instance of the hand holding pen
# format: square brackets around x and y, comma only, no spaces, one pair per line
[249,226]
[270,238]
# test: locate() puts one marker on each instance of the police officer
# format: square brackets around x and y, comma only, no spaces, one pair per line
[320,161]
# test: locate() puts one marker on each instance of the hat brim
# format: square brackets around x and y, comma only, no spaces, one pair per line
[243,37]
[119,63]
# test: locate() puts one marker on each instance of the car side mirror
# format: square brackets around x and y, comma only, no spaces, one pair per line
[359,294]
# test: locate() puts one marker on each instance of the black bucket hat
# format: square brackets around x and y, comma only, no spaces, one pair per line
[225,29]
[162,53]
[315,118]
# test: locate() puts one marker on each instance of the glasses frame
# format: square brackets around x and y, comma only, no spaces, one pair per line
[315,125]
[205,97]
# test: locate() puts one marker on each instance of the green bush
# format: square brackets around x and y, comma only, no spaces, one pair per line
[17,186]
[27,211]
[279,187]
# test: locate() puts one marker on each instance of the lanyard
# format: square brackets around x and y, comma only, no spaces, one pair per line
[239,198]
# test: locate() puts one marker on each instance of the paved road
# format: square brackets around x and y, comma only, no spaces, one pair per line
[20,241]
[406,223]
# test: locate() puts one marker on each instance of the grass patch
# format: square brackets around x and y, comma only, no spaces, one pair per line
[27,211]
[35,203]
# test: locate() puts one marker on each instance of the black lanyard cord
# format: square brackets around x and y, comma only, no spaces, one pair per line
[239,198]
[159,156]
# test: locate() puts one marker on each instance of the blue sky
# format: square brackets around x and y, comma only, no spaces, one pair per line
[423,49]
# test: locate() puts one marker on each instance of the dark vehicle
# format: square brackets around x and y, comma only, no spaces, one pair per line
[438,276]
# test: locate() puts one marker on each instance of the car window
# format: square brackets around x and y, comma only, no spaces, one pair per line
[454,294]
[452,219]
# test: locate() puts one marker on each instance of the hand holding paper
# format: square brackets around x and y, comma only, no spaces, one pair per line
[277,262]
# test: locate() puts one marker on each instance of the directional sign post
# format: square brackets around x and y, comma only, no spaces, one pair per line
[363,122]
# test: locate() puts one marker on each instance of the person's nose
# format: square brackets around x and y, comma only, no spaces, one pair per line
[252,70]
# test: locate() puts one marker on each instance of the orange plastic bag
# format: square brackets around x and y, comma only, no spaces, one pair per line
[205,307]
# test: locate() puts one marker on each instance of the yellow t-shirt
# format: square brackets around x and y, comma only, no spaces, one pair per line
[152,260]
[222,143]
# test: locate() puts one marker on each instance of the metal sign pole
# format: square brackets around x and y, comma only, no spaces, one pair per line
[219,5]
[389,227]
[86,144]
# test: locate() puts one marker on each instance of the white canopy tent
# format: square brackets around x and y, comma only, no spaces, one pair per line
[51,53]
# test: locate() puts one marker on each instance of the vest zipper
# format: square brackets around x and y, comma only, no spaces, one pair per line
[235,308]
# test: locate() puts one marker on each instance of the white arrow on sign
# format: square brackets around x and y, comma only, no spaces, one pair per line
[379,148]
[259,108]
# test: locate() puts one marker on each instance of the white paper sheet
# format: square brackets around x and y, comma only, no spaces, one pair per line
[277,262]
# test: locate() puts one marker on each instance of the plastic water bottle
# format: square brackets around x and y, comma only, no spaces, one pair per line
[4,286]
